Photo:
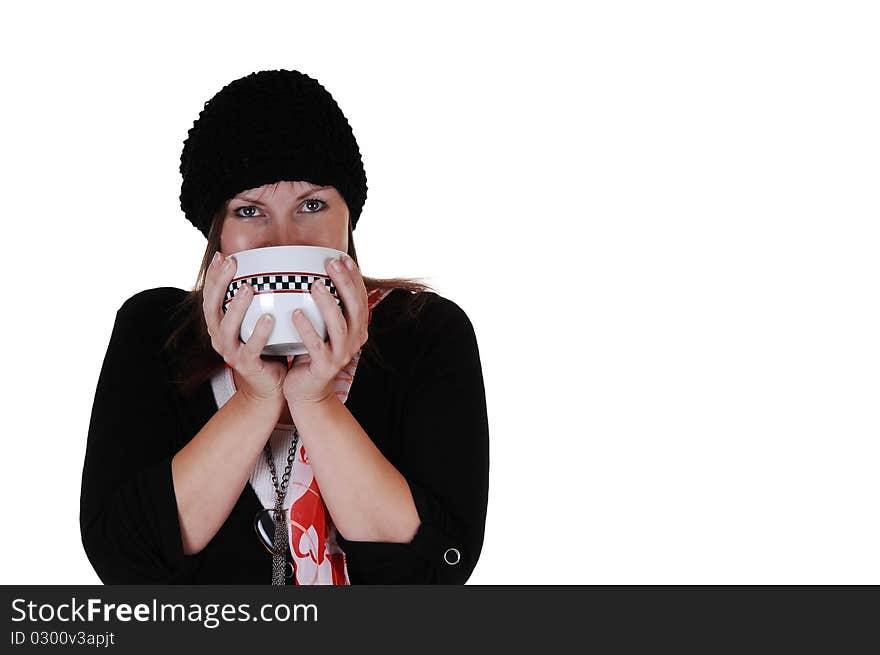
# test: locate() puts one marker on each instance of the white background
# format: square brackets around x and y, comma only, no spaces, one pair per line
[661,218]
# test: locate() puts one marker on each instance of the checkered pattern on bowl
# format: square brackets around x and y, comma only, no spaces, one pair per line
[279,283]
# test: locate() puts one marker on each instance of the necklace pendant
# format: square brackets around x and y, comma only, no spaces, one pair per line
[280,543]
[279,558]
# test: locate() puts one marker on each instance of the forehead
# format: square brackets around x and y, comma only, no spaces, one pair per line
[291,187]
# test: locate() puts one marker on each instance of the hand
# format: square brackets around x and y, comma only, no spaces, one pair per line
[259,378]
[311,377]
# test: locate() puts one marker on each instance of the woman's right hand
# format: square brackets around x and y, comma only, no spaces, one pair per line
[260,379]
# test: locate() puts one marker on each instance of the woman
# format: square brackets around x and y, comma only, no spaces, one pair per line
[374,444]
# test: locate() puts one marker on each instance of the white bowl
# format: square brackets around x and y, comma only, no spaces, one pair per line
[282,278]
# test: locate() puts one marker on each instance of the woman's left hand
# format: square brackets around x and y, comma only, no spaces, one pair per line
[311,377]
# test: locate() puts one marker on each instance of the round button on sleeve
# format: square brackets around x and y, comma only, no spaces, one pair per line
[452,556]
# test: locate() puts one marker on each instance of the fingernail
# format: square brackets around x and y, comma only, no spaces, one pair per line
[228,262]
[216,257]
[349,263]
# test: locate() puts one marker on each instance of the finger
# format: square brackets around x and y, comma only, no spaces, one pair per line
[337,329]
[311,339]
[252,350]
[225,275]
[354,298]
[358,278]
[216,285]
[230,326]
[210,301]
[355,272]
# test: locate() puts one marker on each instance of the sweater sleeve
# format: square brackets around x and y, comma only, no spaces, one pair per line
[445,460]
[128,511]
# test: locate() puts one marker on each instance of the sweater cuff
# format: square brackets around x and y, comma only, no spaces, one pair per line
[439,553]
[135,538]
[158,483]
[437,540]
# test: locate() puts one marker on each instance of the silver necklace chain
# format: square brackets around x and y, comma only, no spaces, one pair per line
[279,557]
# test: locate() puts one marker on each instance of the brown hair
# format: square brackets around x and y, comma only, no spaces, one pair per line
[190,344]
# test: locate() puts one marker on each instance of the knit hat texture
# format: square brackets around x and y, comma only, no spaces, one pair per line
[269,126]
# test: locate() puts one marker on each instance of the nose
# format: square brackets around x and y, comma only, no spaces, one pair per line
[287,233]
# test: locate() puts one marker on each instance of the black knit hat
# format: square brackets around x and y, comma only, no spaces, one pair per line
[268,127]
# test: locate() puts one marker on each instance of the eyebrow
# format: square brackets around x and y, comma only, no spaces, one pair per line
[299,197]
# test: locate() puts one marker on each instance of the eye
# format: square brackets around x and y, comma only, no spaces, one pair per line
[310,200]
[246,215]
[316,205]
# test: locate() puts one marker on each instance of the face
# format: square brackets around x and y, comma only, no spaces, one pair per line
[285,214]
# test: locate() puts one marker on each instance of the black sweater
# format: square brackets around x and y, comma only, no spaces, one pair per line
[423,404]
